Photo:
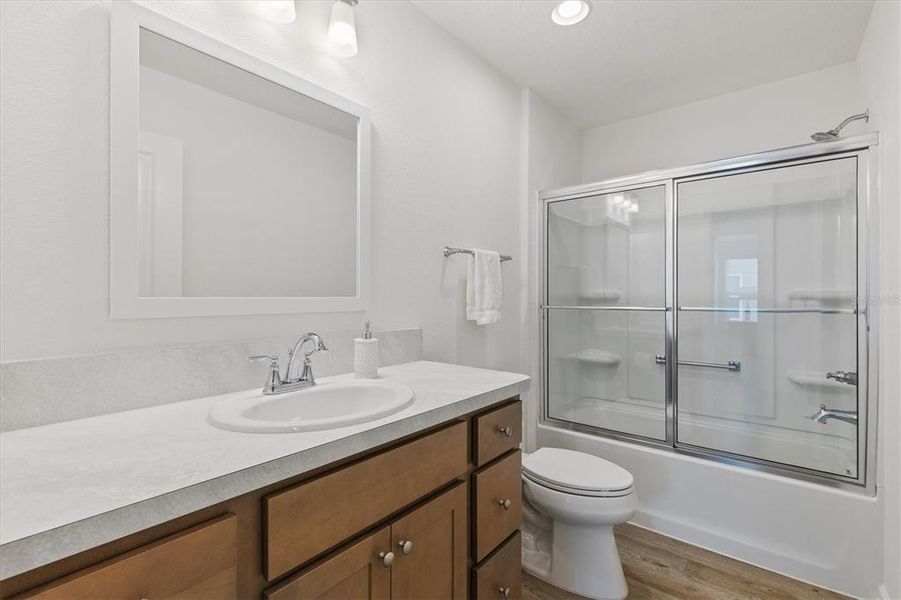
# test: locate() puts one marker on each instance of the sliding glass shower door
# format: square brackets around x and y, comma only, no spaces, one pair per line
[716,310]
[767,296]
[606,265]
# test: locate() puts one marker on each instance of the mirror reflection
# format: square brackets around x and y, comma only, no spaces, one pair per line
[246,188]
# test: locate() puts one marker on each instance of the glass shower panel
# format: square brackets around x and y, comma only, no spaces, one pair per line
[602,370]
[608,249]
[606,292]
[767,290]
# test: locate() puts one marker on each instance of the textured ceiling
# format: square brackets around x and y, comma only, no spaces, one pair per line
[632,58]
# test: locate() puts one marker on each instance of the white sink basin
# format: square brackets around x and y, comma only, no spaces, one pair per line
[326,405]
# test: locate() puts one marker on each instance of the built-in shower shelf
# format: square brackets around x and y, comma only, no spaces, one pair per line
[595,356]
[825,296]
[815,380]
[601,295]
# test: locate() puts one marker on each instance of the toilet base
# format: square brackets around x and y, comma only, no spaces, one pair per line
[586,562]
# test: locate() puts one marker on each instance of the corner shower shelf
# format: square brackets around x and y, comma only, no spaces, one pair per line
[825,296]
[815,380]
[596,357]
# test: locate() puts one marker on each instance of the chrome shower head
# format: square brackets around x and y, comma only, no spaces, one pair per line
[832,134]
[825,136]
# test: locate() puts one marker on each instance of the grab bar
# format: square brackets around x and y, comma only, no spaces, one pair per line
[732,365]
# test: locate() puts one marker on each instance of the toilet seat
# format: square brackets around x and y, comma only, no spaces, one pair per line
[576,473]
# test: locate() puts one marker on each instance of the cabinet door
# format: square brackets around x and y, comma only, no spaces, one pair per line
[355,573]
[430,548]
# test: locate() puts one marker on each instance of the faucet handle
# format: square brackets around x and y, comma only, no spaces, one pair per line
[274,380]
[273,360]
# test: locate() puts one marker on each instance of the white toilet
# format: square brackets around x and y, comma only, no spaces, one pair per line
[572,502]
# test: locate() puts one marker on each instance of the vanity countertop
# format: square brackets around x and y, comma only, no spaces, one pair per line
[71,486]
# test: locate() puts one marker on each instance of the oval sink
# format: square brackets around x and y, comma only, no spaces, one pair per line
[324,406]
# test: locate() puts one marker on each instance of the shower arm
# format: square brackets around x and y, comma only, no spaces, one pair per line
[864,115]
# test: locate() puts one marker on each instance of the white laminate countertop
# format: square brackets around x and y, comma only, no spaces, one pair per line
[71,486]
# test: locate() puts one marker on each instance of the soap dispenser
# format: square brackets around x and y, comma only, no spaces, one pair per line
[366,354]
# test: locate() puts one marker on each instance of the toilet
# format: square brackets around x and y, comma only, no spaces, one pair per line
[572,500]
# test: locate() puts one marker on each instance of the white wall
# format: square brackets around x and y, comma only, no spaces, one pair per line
[775,115]
[445,171]
[879,65]
[550,158]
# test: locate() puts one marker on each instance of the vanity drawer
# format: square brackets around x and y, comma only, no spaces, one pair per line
[312,517]
[497,432]
[500,572]
[497,503]
[194,564]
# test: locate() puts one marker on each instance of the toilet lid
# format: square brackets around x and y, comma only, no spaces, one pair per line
[575,470]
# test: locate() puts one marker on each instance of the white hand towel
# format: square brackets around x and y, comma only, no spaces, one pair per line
[484,288]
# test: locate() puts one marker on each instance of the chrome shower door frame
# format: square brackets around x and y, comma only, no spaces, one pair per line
[861,148]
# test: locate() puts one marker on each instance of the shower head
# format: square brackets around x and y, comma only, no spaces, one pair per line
[825,136]
[832,134]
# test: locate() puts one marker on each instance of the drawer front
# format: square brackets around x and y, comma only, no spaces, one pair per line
[497,432]
[198,563]
[497,504]
[502,571]
[312,517]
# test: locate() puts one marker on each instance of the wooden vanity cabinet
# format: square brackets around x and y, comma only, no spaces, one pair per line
[434,515]
[302,521]
[421,554]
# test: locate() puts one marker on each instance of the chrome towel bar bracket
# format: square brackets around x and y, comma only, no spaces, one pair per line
[732,365]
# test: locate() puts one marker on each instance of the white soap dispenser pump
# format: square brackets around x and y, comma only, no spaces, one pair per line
[366,354]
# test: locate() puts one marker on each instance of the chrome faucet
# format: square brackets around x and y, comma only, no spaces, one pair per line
[824,414]
[292,381]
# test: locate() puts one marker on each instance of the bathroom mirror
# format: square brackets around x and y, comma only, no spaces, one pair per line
[236,188]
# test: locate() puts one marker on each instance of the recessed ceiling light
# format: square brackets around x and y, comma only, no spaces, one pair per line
[570,12]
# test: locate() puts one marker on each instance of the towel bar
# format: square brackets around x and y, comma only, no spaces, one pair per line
[448,250]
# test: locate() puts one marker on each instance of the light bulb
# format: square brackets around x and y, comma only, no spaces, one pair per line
[342,29]
[570,12]
[280,11]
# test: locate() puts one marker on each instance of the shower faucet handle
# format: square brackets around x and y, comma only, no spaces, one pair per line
[848,377]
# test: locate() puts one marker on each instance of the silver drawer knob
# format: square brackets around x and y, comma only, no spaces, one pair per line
[504,592]
[506,503]
[387,558]
[406,546]
[506,430]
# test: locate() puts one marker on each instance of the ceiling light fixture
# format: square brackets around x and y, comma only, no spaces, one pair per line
[570,12]
[280,11]
[342,29]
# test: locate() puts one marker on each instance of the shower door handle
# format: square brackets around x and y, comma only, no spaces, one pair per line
[732,365]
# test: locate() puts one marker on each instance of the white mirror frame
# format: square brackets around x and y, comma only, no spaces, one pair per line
[127,20]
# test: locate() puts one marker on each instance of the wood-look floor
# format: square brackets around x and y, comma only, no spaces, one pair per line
[658,567]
